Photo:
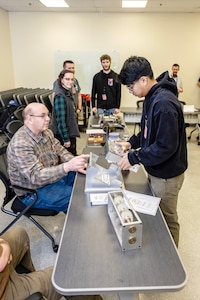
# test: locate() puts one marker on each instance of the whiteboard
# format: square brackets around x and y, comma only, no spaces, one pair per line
[87,64]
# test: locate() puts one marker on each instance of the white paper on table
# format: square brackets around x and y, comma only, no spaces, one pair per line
[188,108]
[143,203]
[99,199]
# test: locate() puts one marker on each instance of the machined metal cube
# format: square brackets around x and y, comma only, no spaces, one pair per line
[125,220]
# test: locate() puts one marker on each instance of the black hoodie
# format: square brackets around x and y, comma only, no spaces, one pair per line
[162,140]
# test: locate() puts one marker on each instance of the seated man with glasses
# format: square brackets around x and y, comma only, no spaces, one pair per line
[37,160]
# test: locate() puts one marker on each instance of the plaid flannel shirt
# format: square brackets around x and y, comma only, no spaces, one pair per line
[35,161]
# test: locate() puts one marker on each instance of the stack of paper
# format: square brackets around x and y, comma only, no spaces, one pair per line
[143,203]
[188,108]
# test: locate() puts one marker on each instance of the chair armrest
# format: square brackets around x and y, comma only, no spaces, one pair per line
[35,296]
[28,191]
[14,186]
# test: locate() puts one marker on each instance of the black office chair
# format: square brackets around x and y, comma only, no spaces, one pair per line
[12,127]
[46,100]
[35,296]
[140,103]
[18,209]
[182,102]
[18,114]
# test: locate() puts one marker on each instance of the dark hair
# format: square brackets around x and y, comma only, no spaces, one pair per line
[105,56]
[67,62]
[62,74]
[176,65]
[134,68]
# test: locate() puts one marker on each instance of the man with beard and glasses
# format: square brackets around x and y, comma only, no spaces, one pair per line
[106,91]
[75,89]
[177,79]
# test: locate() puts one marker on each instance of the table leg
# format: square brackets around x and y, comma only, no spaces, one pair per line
[127,296]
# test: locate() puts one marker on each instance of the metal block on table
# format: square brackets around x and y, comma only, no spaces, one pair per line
[126,222]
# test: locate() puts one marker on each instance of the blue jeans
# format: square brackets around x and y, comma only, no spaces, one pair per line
[54,196]
[105,112]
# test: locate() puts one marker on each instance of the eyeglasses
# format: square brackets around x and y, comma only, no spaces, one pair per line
[69,79]
[131,86]
[41,116]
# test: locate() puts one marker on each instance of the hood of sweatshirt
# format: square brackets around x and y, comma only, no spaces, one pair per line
[165,81]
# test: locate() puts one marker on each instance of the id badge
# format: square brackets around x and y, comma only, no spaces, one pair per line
[104,97]
[110,81]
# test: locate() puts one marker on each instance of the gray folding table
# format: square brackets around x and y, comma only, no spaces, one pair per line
[90,259]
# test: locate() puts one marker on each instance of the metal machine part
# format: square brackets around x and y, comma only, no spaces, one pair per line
[126,222]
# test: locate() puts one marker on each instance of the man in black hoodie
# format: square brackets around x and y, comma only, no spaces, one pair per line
[161,144]
[106,91]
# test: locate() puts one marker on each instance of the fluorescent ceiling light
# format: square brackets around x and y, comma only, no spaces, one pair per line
[134,4]
[54,3]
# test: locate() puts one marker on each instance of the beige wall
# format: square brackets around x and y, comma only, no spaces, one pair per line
[6,63]
[162,38]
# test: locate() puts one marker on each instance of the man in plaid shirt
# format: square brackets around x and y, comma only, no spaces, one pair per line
[36,160]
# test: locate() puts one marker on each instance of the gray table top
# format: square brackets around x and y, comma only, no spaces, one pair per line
[90,259]
[136,110]
[131,110]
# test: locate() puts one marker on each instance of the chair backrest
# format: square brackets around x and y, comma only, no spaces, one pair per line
[139,103]
[9,193]
[44,98]
[6,115]
[6,96]
[35,296]
[3,161]
[29,98]
[182,102]
[38,93]
[12,127]
[11,90]
[18,114]
[20,96]
[17,92]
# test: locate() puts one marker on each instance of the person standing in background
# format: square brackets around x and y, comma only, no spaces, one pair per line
[178,80]
[106,91]
[64,123]
[198,82]
[75,89]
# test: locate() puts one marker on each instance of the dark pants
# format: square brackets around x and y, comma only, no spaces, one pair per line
[72,148]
